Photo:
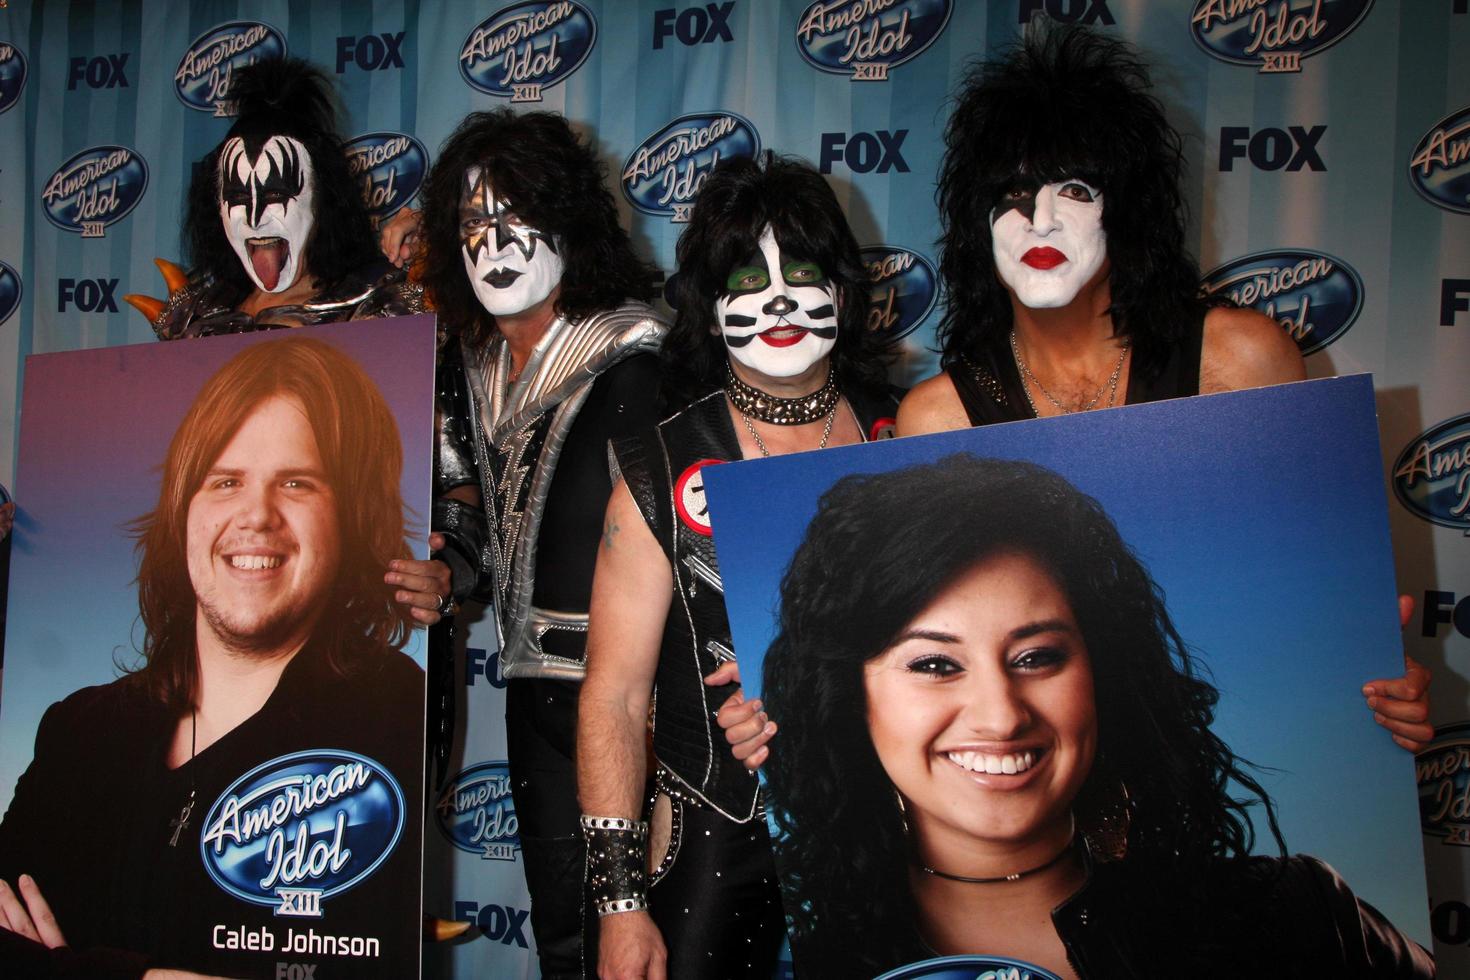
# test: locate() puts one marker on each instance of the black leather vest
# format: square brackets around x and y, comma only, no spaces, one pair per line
[663,473]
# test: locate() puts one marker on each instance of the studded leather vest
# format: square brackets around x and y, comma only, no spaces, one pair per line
[519,431]
[663,471]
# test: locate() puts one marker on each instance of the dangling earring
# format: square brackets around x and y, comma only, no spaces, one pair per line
[1106,831]
[903,814]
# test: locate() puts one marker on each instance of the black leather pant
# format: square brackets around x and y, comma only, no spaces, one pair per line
[716,899]
[541,725]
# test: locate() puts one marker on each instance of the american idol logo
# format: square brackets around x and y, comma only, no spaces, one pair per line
[202,80]
[1443,774]
[526,47]
[1314,296]
[970,968]
[1273,34]
[12,75]
[1431,477]
[1439,168]
[904,286]
[299,829]
[10,290]
[94,189]
[866,38]
[667,170]
[477,814]
[389,167]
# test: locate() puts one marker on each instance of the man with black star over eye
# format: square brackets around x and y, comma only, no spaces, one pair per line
[549,354]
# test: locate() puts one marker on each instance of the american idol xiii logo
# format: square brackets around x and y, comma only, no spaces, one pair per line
[1439,167]
[1274,34]
[527,47]
[864,39]
[905,287]
[389,167]
[1314,296]
[970,968]
[476,812]
[94,189]
[202,80]
[12,75]
[1431,477]
[299,829]
[10,290]
[667,170]
[1443,774]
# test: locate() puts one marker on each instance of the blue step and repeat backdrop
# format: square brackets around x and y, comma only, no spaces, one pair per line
[1329,185]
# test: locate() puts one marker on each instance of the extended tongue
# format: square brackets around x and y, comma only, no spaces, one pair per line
[268,260]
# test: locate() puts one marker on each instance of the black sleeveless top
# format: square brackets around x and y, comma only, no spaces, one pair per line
[990,387]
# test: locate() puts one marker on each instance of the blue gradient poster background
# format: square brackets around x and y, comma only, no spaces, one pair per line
[1262,515]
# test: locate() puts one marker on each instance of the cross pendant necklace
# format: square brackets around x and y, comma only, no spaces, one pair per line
[180,823]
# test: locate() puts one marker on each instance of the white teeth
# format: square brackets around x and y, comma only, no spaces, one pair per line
[1008,764]
[254,562]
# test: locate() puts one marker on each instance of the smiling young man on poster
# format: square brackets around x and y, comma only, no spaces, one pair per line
[274,700]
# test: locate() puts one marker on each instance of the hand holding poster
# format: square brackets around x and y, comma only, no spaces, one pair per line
[240,791]
[997,738]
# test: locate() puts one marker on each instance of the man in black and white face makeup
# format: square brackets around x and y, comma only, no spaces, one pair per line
[512,267]
[266,187]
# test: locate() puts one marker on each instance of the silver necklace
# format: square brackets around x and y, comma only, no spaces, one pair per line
[182,821]
[1110,386]
[761,444]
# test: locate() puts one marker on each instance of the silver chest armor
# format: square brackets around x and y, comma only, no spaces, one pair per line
[520,429]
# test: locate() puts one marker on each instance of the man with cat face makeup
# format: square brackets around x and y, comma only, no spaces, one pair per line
[771,354]
[549,355]
[276,228]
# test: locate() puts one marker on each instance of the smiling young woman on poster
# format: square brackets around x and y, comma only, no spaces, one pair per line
[994,741]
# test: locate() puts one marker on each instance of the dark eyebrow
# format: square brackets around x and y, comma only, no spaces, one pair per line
[1019,633]
[1044,626]
[937,636]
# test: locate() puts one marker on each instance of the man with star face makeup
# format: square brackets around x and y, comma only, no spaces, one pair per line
[1069,285]
[276,230]
[550,354]
[771,354]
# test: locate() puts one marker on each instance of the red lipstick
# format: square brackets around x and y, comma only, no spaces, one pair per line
[1043,257]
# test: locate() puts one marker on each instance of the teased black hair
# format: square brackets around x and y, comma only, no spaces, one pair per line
[553,182]
[1067,102]
[738,200]
[288,97]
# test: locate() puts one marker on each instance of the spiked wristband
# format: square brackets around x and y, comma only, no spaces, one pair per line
[616,863]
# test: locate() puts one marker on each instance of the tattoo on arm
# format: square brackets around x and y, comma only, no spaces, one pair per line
[609,532]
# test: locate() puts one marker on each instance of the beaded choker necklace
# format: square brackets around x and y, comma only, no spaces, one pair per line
[781,411]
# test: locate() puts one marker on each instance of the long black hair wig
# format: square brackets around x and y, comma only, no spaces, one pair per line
[738,200]
[880,548]
[284,97]
[553,182]
[1066,102]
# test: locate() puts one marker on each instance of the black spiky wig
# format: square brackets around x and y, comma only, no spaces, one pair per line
[283,97]
[738,200]
[1067,102]
[552,180]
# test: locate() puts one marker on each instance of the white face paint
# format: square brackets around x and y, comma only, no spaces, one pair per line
[1048,241]
[511,265]
[778,314]
[265,203]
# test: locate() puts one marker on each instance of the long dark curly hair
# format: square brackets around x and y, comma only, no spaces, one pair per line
[739,199]
[286,97]
[871,560]
[553,182]
[1066,102]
